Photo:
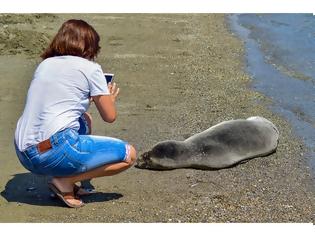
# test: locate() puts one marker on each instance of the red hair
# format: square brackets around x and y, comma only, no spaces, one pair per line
[76,38]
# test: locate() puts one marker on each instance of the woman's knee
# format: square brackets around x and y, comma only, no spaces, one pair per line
[132,156]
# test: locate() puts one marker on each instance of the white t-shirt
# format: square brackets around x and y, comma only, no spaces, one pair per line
[58,95]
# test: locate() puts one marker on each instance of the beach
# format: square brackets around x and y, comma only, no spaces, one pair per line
[179,74]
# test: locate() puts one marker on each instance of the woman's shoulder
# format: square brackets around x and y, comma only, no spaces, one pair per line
[73,61]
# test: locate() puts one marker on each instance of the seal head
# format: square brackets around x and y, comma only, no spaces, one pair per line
[165,155]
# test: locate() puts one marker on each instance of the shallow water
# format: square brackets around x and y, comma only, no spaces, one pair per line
[280,55]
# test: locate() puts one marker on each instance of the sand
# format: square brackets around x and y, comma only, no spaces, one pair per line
[178,74]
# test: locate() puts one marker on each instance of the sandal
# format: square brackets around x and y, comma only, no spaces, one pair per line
[64,196]
[79,191]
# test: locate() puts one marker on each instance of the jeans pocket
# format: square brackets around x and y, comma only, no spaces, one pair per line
[64,166]
[61,164]
[47,158]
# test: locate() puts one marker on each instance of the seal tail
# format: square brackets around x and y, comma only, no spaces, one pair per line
[262,119]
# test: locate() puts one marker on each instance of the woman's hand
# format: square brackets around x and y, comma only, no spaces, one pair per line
[114,91]
[106,103]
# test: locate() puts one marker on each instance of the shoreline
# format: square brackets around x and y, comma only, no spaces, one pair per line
[179,74]
[275,84]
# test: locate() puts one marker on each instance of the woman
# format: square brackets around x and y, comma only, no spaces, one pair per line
[50,138]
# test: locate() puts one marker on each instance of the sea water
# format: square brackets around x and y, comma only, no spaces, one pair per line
[280,56]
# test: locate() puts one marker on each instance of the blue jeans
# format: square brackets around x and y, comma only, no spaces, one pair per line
[72,154]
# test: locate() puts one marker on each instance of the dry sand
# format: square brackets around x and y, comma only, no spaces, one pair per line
[178,74]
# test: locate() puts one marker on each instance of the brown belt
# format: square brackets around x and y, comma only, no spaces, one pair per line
[44,146]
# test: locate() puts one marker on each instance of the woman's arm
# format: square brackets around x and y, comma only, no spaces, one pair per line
[106,103]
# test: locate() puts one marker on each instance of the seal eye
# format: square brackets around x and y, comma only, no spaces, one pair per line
[158,151]
[171,151]
[165,150]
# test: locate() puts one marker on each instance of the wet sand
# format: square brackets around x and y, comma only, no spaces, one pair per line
[178,74]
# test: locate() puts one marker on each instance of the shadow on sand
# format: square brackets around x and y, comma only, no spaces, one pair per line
[32,189]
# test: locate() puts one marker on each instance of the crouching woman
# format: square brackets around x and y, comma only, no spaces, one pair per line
[52,136]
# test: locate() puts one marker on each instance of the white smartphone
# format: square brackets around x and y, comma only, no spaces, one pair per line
[109,77]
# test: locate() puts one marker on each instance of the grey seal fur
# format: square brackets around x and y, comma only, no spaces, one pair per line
[221,146]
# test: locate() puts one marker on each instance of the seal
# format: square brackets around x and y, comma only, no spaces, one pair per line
[223,145]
